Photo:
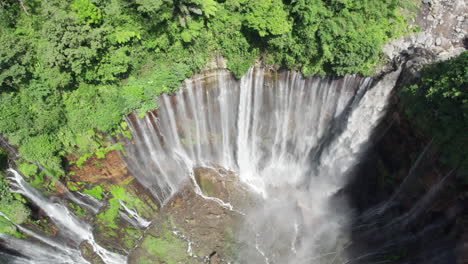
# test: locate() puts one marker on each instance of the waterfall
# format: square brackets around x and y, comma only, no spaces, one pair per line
[292,140]
[61,249]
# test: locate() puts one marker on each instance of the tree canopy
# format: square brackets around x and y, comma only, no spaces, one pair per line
[70,70]
[438,106]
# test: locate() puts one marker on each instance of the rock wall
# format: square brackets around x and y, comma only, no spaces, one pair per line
[440,234]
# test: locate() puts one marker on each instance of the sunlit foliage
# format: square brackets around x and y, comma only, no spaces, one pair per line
[438,106]
[70,70]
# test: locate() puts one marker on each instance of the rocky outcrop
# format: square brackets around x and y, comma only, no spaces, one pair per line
[195,229]
[224,185]
[88,253]
[442,25]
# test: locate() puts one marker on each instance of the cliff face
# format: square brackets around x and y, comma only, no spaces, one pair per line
[438,232]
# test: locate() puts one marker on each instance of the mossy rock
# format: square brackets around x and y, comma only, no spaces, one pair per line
[88,253]
[162,246]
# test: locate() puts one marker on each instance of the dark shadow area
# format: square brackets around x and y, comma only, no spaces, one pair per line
[417,221]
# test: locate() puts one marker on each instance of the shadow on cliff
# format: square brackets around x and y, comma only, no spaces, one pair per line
[409,208]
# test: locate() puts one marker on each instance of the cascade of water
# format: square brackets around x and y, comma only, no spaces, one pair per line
[290,139]
[39,253]
[132,216]
[34,253]
[72,230]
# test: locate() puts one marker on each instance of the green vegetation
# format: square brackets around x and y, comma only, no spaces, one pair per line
[109,223]
[42,224]
[119,193]
[70,70]
[37,179]
[163,248]
[28,170]
[77,209]
[100,154]
[438,106]
[230,244]
[13,207]
[207,186]
[95,192]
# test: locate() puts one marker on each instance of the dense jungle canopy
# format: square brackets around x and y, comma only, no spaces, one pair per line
[72,68]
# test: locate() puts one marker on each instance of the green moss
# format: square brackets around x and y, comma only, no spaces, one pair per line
[123,131]
[39,182]
[108,216]
[127,182]
[125,237]
[207,186]
[37,178]
[27,169]
[95,192]
[230,245]
[100,153]
[81,160]
[77,209]
[145,260]
[110,225]
[167,248]
[6,227]
[119,193]
[16,211]
[112,233]
[131,236]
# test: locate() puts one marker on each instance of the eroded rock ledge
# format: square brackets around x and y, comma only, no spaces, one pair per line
[194,229]
[442,28]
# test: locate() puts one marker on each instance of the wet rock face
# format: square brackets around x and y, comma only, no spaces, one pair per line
[192,229]
[111,170]
[223,184]
[88,253]
[439,233]
[211,184]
